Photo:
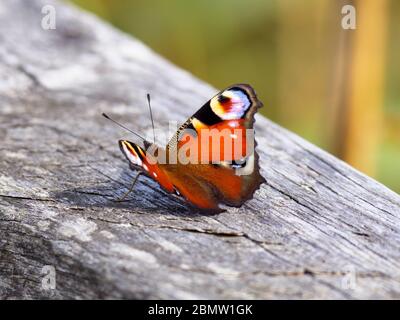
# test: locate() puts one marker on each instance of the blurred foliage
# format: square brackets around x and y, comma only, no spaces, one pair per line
[288,50]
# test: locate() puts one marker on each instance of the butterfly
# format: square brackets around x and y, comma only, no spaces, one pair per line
[205,171]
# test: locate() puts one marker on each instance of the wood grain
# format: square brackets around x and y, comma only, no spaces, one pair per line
[316,229]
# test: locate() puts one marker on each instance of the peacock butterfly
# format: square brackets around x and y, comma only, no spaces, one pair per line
[211,159]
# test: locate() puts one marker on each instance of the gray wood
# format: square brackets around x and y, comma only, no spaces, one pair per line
[316,229]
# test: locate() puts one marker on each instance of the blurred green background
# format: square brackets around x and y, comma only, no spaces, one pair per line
[336,88]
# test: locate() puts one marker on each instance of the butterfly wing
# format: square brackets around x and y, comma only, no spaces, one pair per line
[210,174]
[227,177]
[146,162]
[206,186]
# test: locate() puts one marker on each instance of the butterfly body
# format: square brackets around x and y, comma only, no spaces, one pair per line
[211,160]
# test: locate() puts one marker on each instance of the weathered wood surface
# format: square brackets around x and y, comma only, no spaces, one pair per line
[316,229]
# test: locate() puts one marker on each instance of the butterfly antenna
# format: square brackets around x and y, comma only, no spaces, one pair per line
[151,116]
[122,126]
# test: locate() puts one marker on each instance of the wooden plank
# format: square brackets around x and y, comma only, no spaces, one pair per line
[316,229]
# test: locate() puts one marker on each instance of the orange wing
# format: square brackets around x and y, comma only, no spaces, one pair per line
[231,173]
[212,158]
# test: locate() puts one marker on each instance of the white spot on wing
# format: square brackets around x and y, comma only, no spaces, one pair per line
[248,168]
[132,158]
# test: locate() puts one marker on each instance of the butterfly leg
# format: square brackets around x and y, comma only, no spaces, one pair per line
[130,189]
